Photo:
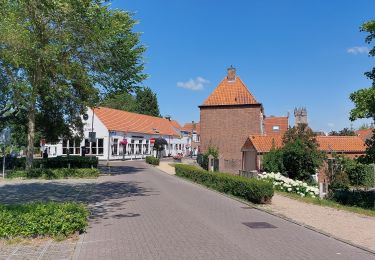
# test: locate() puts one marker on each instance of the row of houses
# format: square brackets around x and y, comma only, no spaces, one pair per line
[112,134]
[233,121]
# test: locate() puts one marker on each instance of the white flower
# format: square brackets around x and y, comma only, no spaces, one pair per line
[289,189]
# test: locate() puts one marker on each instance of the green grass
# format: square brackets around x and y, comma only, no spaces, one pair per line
[328,203]
[62,173]
[42,219]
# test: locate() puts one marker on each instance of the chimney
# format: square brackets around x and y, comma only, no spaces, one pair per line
[168,117]
[231,73]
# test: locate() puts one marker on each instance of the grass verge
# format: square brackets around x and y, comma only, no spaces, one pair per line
[328,203]
[42,219]
[49,174]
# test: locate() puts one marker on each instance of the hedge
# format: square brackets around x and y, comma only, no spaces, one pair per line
[253,190]
[62,173]
[42,219]
[357,198]
[152,160]
[56,162]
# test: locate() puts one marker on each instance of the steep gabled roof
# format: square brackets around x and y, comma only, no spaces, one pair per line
[230,92]
[118,120]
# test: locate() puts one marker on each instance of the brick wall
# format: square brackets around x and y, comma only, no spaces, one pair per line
[227,128]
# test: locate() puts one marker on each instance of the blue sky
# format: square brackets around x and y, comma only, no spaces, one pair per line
[288,53]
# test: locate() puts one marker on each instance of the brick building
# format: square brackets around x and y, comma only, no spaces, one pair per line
[227,118]
[258,145]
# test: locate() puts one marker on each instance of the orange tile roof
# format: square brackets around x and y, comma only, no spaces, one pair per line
[341,144]
[230,93]
[353,144]
[364,133]
[264,143]
[188,127]
[176,124]
[118,120]
[270,122]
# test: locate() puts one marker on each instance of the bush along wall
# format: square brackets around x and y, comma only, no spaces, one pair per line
[42,219]
[152,160]
[56,162]
[62,173]
[253,190]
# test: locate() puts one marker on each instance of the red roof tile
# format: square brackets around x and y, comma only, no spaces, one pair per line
[118,120]
[188,127]
[341,144]
[353,144]
[176,124]
[230,92]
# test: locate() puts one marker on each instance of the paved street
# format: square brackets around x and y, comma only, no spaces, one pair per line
[143,213]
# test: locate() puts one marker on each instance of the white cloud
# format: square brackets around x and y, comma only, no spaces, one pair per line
[358,50]
[194,84]
[331,125]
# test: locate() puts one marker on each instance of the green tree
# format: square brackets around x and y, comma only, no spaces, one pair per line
[344,132]
[147,102]
[364,99]
[62,54]
[301,156]
[273,161]
[122,101]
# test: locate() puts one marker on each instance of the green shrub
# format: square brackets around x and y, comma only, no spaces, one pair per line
[273,161]
[62,173]
[152,160]
[253,190]
[361,175]
[42,219]
[358,198]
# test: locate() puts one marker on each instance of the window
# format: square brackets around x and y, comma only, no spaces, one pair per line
[100,146]
[115,147]
[275,128]
[131,146]
[139,147]
[93,147]
[72,146]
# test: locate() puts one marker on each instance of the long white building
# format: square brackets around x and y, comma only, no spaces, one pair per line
[122,135]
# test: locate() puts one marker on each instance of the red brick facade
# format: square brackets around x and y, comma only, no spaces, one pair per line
[227,118]
[227,128]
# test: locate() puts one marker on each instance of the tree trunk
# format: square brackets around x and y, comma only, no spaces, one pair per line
[30,136]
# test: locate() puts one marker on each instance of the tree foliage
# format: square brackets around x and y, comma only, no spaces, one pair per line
[143,102]
[344,132]
[146,102]
[299,157]
[61,55]
[273,161]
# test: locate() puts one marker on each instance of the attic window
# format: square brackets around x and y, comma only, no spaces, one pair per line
[276,128]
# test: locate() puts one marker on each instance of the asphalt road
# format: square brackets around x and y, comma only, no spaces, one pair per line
[143,213]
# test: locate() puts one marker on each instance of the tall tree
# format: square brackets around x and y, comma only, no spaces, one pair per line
[147,102]
[122,101]
[300,154]
[64,53]
[364,99]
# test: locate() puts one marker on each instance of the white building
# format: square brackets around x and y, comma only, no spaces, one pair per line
[122,135]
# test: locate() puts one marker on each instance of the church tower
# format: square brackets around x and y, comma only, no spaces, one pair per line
[300,115]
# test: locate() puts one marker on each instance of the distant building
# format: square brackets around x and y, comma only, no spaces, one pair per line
[300,115]
[365,134]
[227,117]
[192,132]
[276,125]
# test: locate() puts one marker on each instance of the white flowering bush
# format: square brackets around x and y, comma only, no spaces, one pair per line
[283,183]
